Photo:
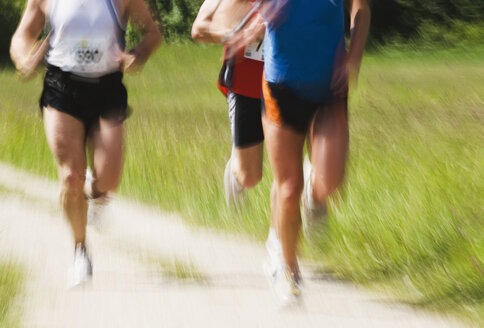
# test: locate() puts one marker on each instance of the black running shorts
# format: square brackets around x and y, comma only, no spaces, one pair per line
[86,99]
[245,120]
[281,106]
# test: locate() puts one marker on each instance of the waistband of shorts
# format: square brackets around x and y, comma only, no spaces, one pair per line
[111,77]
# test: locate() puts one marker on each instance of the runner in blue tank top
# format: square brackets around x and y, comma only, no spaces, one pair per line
[301,55]
[305,87]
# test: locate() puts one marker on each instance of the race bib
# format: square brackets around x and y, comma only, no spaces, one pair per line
[255,51]
[88,56]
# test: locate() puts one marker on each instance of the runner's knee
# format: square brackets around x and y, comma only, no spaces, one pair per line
[110,185]
[289,192]
[249,178]
[107,183]
[322,188]
[72,181]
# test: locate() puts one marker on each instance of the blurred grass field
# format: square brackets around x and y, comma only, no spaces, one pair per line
[10,286]
[410,217]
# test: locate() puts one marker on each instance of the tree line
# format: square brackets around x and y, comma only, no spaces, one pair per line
[436,21]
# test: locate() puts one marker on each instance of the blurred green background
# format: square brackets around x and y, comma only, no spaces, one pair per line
[429,23]
[410,217]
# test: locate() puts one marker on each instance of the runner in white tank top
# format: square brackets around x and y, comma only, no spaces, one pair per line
[83,96]
[87,37]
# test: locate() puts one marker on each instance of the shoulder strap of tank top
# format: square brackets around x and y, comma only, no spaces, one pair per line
[49,15]
[114,13]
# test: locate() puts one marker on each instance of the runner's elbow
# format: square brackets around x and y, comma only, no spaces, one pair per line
[201,31]
[14,50]
[158,38]
[197,34]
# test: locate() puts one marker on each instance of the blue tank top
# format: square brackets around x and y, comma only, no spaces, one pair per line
[300,51]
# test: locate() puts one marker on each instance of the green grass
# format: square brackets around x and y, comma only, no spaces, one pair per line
[410,215]
[10,283]
[11,279]
[188,142]
[165,265]
[412,204]
[173,268]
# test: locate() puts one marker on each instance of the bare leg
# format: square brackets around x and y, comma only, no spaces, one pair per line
[107,152]
[66,138]
[274,206]
[247,165]
[284,148]
[329,140]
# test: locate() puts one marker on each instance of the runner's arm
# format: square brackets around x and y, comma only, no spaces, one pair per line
[142,21]
[253,31]
[26,52]
[204,29]
[360,24]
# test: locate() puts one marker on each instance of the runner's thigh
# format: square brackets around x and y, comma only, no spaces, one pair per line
[66,138]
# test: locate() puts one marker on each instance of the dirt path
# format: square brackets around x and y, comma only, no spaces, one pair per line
[130,290]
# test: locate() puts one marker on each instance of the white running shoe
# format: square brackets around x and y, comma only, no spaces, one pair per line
[88,182]
[287,287]
[96,206]
[313,214]
[96,209]
[81,269]
[233,190]
[275,260]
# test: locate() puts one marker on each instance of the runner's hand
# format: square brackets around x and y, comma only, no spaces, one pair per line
[339,81]
[353,71]
[253,31]
[345,75]
[129,63]
[27,68]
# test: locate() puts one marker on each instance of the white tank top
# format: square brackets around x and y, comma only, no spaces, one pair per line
[87,37]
